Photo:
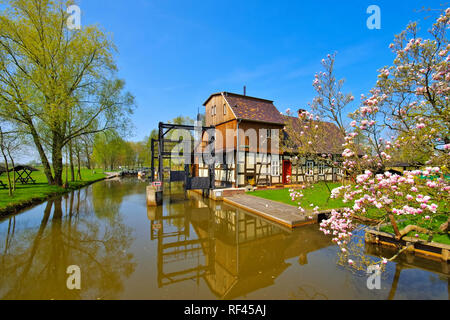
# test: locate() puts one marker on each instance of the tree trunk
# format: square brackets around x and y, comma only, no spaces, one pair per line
[79,165]
[88,157]
[72,168]
[445,227]
[398,235]
[6,163]
[14,171]
[43,156]
[57,159]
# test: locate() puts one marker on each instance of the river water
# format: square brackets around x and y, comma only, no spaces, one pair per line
[190,248]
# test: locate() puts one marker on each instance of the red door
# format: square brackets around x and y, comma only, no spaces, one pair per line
[287,171]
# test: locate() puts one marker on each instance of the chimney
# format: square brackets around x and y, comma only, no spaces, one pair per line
[245,90]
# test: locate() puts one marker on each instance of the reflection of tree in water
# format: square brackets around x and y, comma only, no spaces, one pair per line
[391,278]
[34,261]
[108,196]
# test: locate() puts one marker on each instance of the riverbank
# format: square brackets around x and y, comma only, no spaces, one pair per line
[29,195]
[319,195]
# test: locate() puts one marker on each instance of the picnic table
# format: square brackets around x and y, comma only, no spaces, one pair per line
[24,174]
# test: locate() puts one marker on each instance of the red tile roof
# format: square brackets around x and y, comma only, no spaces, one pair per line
[330,143]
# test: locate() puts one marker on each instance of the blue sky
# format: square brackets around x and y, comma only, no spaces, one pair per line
[174,54]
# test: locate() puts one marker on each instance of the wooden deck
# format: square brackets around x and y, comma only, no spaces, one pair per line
[278,212]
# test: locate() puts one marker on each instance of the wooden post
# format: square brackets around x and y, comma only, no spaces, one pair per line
[154,196]
[161,154]
[445,254]
[153,161]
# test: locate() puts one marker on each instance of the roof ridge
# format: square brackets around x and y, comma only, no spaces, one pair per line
[225,93]
[246,96]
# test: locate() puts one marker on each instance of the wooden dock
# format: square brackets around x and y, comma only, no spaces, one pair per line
[281,213]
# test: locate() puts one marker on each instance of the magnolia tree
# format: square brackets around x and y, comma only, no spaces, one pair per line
[330,102]
[413,93]
[409,102]
[319,135]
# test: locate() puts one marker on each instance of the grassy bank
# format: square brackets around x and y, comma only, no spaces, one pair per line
[26,195]
[319,195]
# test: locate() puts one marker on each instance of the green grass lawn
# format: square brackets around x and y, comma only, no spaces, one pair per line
[41,190]
[319,195]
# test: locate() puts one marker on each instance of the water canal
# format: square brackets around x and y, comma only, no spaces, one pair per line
[191,248]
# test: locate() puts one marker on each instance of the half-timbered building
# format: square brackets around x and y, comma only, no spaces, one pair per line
[249,135]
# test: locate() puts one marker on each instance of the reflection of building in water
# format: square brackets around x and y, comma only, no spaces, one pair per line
[236,253]
[180,258]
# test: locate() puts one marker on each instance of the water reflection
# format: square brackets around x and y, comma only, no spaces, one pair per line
[410,262]
[190,248]
[35,259]
[235,253]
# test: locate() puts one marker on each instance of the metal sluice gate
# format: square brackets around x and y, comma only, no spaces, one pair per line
[162,150]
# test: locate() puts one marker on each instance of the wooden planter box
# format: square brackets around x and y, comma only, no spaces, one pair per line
[431,250]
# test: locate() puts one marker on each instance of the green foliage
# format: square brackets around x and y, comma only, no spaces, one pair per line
[57,85]
[112,152]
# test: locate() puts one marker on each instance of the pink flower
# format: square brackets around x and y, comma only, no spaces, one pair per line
[421,126]
[420,90]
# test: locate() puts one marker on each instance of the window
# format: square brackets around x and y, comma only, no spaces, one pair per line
[310,168]
[224,109]
[269,133]
[213,111]
[337,171]
[321,168]
[275,168]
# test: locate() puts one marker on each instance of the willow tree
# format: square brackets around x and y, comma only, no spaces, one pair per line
[57,84]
